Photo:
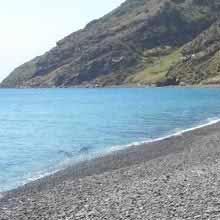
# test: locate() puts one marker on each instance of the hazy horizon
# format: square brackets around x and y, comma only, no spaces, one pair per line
[29,29]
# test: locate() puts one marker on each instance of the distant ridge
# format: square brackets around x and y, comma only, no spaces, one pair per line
[144,42]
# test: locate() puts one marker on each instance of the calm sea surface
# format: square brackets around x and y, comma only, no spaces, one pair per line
[43,130]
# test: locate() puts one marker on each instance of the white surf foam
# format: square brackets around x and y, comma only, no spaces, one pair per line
[68,162]
[178,132]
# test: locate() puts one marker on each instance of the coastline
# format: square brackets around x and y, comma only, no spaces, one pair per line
[195,149]
[113,150]
[121,86]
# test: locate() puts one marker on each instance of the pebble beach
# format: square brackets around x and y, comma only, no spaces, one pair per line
[175,178]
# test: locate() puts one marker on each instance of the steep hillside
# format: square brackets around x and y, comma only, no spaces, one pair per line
[142,41]
[201,60]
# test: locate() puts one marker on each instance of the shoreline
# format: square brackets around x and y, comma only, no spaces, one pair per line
[195,152]
[126,149]
[217,86]
[114,150]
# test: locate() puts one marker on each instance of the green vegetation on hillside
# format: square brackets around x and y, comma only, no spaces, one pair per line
[137,43]
[156,71]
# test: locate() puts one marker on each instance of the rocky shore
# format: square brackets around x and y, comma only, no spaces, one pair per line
[176,178]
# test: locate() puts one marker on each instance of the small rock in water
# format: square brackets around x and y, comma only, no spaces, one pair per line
[84,150]
[66,153]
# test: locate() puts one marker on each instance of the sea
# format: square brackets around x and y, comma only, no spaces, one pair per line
[46,130]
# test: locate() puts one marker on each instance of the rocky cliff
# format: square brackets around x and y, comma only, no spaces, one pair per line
[160,42]
[201,60]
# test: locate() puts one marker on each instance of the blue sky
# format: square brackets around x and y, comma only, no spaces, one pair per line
[31,27]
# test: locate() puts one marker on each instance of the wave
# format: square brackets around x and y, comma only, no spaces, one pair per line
[70,161]
[177,132]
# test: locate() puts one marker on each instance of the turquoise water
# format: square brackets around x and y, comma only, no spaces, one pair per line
[43,130]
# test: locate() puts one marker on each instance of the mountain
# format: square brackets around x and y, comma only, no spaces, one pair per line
[201,62]
[159,42]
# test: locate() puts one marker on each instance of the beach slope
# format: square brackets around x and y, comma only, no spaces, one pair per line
[175,178]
